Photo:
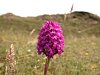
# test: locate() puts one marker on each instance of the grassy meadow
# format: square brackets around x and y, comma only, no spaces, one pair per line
[82,44]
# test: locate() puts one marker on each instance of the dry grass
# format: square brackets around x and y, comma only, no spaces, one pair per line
[80,57]
[81,54]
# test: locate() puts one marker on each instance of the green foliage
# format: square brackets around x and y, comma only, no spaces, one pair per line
[82,45]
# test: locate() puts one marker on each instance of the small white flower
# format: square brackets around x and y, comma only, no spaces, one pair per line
[29,50]
[35,67]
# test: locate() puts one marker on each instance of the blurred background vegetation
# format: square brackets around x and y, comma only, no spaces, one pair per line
[82,44]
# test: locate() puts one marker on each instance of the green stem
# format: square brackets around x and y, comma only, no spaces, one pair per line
[46,66]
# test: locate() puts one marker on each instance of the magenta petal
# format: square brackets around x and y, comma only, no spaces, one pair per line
[51,39]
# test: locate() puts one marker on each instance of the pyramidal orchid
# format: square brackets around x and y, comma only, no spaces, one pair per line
[50,41]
